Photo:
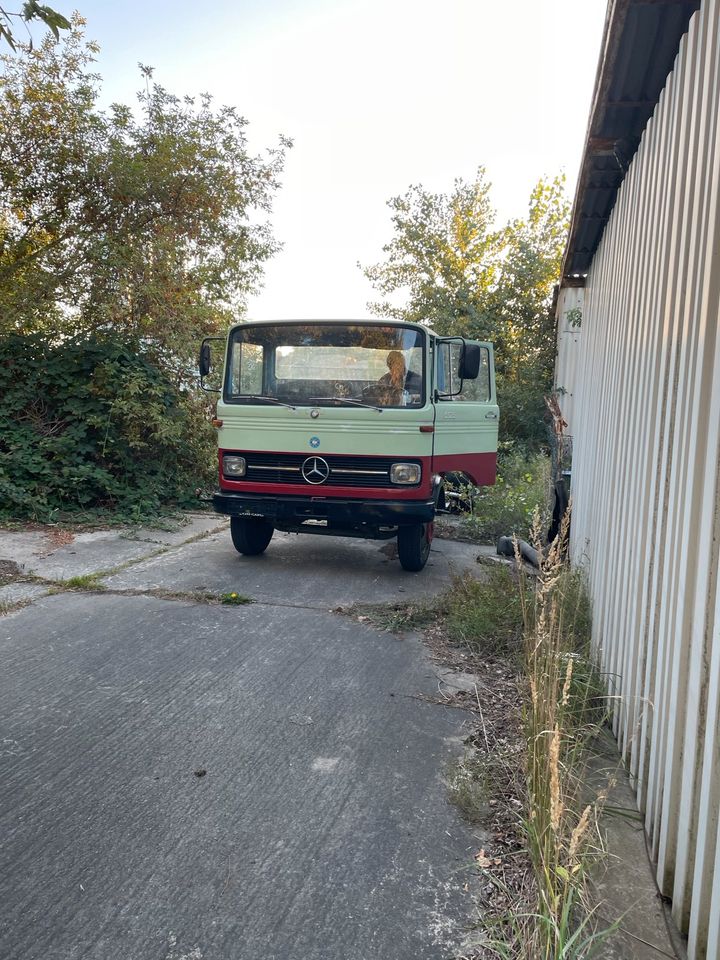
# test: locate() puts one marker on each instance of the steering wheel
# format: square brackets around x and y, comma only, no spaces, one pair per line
[382,392]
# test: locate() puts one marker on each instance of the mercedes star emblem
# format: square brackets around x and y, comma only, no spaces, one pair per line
[315,470]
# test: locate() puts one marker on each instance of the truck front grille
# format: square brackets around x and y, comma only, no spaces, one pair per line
[345,471]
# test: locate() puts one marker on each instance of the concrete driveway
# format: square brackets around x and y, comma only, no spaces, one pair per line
[191,781]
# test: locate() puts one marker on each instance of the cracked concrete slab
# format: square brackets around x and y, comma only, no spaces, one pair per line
[90,552]
[19,592]
[305,570]
[196,524]
[22,546]
[224,783]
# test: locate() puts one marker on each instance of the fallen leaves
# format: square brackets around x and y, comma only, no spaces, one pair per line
[485,862]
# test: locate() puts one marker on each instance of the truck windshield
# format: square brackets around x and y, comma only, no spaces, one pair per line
[327,364]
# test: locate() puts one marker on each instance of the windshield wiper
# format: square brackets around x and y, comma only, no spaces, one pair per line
[358,403]
[250,396]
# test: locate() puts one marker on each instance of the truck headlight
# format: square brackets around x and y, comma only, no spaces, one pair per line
[405,473]
[234,466]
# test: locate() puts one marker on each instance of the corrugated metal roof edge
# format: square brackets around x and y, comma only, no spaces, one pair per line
[596,146]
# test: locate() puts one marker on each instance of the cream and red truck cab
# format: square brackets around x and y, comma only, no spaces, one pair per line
[348,428]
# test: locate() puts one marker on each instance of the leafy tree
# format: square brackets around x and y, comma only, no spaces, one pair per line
[51,139]
[520,305]
[125,236]
[31,10]
[444,256]
[147,224]
[449,267]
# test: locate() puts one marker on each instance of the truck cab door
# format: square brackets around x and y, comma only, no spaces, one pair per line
[466,413]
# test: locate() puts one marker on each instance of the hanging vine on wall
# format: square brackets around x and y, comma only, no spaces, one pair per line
[574,317]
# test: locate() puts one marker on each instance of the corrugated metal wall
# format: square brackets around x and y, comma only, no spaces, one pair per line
[570,308]
[644,414]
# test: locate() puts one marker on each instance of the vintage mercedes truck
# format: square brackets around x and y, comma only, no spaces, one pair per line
[348,428]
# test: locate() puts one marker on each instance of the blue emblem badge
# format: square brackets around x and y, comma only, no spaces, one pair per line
[314,442]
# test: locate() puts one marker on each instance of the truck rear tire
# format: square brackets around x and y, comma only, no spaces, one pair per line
[250,535]
[414,545]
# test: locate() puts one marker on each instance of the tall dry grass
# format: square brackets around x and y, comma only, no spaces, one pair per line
[565,705]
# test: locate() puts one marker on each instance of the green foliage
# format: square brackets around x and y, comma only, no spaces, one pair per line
[143,221]
[443,256]
[574,317]
[486,615]
[576,609]
[448,266]
[91,424]
[126,235]
[507,508]
[522,407]
[31,10]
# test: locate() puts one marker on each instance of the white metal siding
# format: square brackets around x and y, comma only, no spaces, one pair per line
[643,380]
[568,340]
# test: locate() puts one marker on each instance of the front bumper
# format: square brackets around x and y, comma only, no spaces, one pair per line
[350,514]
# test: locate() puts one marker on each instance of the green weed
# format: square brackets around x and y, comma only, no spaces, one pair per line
[234,599]
[86,581]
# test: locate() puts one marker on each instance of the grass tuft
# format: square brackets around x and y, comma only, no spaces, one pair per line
[86,581]
[542,623]
[486,615]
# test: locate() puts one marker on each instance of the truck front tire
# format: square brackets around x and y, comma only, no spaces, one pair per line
[250,535]
[414,542]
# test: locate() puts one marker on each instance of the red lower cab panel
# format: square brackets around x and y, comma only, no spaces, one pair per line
[356,477]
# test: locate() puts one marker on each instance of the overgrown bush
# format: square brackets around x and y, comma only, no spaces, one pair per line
[92,425]
[523,414]
[507,508]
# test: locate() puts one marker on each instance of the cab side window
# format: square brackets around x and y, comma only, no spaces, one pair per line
[473,391]
[444,374]
[478,390]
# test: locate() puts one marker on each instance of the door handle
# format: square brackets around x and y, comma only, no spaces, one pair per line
[491,416]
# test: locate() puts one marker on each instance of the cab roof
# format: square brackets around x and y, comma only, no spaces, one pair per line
[381,321]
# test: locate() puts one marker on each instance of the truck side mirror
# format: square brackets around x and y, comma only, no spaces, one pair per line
[204,361]
[469,361]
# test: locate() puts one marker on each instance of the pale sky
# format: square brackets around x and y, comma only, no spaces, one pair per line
[377,96]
